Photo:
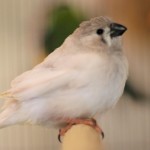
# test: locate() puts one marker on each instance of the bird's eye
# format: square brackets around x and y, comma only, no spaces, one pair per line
[100,31]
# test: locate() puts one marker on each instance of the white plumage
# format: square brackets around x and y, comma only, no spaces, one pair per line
[85,76]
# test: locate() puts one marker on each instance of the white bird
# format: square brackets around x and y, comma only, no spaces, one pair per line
[85,76]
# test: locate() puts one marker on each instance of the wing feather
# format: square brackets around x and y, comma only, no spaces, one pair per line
[38,82]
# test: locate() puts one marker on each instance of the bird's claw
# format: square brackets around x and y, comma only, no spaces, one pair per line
[59,137]
[103,135]
[91,122]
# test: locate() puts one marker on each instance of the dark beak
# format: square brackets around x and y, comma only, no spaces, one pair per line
[117,29]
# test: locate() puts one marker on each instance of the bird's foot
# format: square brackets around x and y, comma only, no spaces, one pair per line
[70,122]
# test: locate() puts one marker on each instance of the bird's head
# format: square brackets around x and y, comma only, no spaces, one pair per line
[100,31]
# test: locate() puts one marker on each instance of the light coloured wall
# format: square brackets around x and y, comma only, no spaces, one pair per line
[21,28]
[127,126]
[20,32]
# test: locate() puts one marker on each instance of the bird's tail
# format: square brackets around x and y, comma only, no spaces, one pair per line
[10,114]
[6,95]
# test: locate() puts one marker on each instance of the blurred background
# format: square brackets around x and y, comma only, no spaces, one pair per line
[30,30]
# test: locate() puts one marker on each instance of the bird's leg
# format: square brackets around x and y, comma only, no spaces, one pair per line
[70,122]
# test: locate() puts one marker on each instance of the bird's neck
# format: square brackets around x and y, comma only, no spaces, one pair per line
[71,44]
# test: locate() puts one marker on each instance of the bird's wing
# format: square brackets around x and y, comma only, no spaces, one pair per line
[38,82]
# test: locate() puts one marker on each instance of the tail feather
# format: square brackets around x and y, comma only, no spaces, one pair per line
[6,118]
[6,95]
[10,115]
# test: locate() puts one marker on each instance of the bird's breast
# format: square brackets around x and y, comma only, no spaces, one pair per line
[106,79]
